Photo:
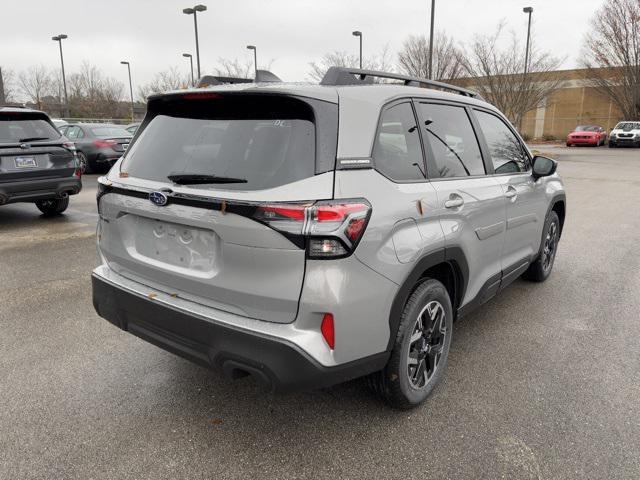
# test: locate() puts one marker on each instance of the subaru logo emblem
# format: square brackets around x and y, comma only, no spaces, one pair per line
[24,146]
[158,198]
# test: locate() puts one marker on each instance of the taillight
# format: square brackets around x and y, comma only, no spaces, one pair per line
[104,143]
[332,228]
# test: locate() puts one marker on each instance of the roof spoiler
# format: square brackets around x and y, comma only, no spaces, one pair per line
[263,76]
[355,76]
[208,80]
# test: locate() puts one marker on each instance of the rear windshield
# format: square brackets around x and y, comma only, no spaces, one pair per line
[110,132]
[266,142]
[17,128]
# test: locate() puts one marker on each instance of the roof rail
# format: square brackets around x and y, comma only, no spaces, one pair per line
[356,76]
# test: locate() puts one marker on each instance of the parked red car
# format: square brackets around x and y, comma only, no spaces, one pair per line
[592,135]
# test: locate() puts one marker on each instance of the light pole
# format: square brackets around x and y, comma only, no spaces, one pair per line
[194,11]
[528,10]
[59,38]
[255,58]
[433,12]
[190,57]
[130,85]
[359,35]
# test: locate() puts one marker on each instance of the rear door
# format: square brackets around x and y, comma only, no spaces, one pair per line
[471,204]
[31,148]
[525,198]
[215,243]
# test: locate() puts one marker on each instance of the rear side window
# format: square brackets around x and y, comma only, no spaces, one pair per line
[507,153]
[266,142]
[397,152]
[24,128]
[453,142]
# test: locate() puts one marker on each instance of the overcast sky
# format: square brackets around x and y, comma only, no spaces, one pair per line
[152,34]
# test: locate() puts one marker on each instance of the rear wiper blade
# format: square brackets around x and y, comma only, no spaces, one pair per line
[199,178]
[32,139]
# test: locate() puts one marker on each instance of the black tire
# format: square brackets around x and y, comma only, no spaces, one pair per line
[540,270]
[83,163]
[393,384]
[612,145]
[54,206]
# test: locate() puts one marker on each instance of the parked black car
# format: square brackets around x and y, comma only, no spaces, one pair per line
[99,145]
[37,163]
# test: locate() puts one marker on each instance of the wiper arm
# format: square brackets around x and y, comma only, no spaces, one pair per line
[32,139]
[199,178]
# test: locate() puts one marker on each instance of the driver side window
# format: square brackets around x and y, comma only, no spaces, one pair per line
[397,152]
[507,153]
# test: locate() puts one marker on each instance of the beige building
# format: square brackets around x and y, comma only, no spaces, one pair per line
[576,103]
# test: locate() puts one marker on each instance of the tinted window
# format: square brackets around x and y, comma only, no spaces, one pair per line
[266,152]
[507,153]
[397,151]
[452,140]
[21,128]
[72,132]
[109,132]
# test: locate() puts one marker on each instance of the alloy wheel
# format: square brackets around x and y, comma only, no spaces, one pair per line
[426,344]
[550,246]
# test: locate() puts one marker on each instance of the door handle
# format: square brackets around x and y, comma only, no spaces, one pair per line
[511,193]
[454,201]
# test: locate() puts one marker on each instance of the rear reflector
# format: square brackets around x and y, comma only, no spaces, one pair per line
[328,331]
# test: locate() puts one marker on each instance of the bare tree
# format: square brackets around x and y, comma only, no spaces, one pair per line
[612,54]
[93,95]
[6,85]
[234,68]
[413,59]
[35,84]
[497,74]
[381,61]
[164,81]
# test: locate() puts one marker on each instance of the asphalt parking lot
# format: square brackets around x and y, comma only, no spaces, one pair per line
[543,382]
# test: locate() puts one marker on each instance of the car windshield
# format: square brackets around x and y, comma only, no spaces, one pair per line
[110,132]
[17,128]
[587,128]
[628,126]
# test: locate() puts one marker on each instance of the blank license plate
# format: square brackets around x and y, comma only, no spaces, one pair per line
[25,162]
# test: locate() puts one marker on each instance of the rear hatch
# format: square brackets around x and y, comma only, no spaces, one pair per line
[32,148]
[209,239]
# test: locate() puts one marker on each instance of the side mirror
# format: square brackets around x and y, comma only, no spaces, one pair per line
[543,166]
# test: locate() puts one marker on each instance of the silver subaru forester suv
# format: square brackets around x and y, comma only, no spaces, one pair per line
[306,235]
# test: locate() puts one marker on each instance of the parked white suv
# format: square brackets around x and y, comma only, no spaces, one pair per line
[625,134]
[309,234]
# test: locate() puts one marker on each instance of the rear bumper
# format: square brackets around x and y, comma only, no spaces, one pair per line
[38,189]
[276,363]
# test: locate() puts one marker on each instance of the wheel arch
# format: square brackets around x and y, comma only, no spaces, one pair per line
[559,205]
[447,265]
